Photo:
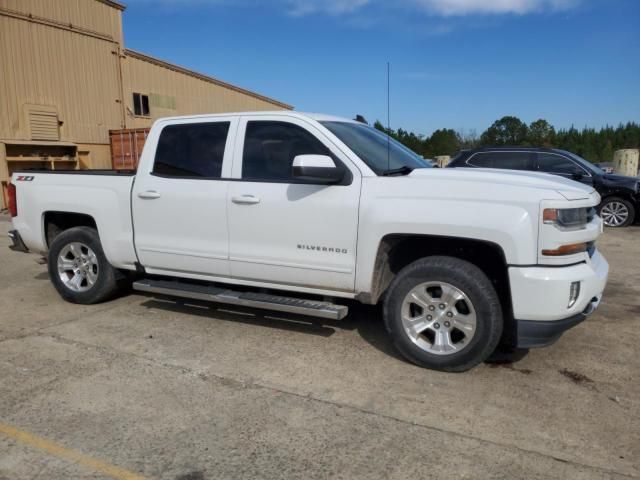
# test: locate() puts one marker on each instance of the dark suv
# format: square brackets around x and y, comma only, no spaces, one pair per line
[620,194]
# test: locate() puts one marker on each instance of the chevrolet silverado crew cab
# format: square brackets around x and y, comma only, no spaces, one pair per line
[298,212]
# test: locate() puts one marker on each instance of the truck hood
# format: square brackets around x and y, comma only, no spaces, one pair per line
[492,178]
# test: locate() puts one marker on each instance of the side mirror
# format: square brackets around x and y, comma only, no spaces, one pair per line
[317,169]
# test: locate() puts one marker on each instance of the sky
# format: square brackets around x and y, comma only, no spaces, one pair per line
[458,64]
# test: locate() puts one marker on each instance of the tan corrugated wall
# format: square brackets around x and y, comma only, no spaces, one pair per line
[73,72]
[191,95]
[90,15]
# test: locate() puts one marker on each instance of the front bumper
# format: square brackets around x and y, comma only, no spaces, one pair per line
[542,292]
[540,298]
[534,333]
[16,242]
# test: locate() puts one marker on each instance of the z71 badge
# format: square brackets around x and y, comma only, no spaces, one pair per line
[24,178]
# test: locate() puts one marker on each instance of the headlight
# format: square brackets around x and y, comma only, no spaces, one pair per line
[570,218]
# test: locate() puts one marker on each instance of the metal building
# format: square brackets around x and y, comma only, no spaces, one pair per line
[66,81]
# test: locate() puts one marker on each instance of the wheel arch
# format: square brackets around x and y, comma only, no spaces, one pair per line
[56,222]
[396,251]
[619,193]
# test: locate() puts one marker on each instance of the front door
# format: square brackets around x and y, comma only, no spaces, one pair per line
[556,164]
[180,205]
[284,231]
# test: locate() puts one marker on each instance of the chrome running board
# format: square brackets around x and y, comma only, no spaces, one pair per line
[245,299]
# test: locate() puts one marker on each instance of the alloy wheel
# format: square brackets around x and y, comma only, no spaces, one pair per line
[77,267]
[439,318]
[614,214]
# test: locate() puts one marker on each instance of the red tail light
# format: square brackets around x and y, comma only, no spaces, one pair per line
[13,202]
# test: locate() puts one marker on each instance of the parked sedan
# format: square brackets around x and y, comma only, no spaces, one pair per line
[620,194]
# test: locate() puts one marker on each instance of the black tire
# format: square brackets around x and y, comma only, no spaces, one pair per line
[612,201]
[470,280]
[106,284]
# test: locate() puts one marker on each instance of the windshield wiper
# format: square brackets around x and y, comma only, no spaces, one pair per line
[404,170]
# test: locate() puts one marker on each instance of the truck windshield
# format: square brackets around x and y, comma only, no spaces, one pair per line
[384,155]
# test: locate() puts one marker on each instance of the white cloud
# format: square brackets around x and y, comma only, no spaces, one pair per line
[333,7]
[446,8]
[435,7]
[467,7]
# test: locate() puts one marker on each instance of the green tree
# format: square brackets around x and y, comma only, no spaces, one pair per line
[606,155]
[569,139]
[508,130]
[468,138]
[594,145]
[541,134]
[443,142]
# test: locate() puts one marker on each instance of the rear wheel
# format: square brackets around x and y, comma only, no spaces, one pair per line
[617,212]
[79,269]
[443,313]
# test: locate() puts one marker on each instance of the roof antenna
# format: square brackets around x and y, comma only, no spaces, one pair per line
[388,120]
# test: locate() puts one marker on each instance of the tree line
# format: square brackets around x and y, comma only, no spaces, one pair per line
[594,145]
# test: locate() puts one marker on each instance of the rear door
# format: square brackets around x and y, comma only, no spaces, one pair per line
[283,230]
[179,205]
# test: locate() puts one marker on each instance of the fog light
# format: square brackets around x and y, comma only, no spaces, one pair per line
[574,293]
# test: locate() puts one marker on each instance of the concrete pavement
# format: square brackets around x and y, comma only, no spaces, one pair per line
[162,389]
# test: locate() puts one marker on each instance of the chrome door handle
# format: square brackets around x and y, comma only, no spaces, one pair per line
[245,200]
[149,194]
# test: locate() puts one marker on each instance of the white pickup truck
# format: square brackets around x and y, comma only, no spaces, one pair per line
[297,212]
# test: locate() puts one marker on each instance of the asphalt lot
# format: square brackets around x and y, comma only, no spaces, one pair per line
[146,388]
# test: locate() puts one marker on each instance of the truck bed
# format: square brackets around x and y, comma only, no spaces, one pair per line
[102,195]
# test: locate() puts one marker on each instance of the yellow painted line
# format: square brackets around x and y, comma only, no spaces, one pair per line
[67,454]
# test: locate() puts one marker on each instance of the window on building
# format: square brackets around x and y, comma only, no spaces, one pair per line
[270,147]
[552,163]
[506,160]
[141,105]
[191,150]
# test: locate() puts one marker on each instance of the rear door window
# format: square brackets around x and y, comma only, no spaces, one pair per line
[506,160]
[191,150]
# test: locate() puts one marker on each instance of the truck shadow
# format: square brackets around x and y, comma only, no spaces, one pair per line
[366,320]
[369,324]
[249,316]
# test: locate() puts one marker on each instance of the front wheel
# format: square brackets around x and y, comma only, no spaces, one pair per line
[617,212]
[443,313]
[78,268]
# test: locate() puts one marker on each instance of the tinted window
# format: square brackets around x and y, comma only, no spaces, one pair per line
[551,163]
[191,150]
[270,147]
[506,160]
[585,163]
